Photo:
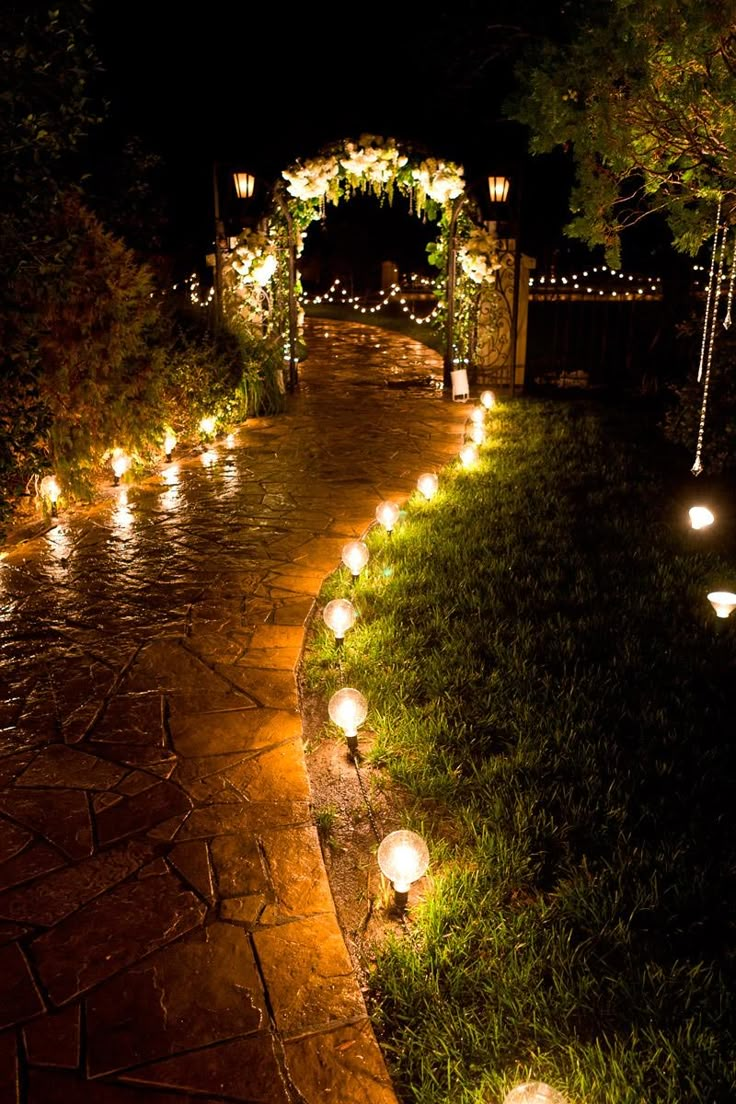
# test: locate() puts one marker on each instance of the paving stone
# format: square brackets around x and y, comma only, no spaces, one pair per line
[348,1057]
[50,1087]
[48,900]
[12,839]
[9,933]
[37,859]
[59,765]
[238,865]
[204,990]
[223,819]
[61,816]
[9,1079]
[192,860]
[141,812]
[135,782]
[12,765]
[167,665]
[200,734]
[271,689]
[295,612]
[274,774]
[19,997]
[197,769]
[53,1040]
[160,761]
[308,992]
[132,719]
[168,828]
[243,910]
[207,791]
[296,872]
[243,1070]
[112,932]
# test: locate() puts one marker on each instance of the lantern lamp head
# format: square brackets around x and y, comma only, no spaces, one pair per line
[723,602]
[534,1092]
[488,399]
[348,709]
[498,188]
[355,556]
[403,857]
[51,490]
[387,514]
[244,184]
[428,484]
[339,615]
[700,517]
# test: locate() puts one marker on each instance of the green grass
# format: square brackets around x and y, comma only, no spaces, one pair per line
[547,679]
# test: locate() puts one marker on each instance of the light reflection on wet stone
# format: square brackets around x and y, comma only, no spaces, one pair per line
[150,716]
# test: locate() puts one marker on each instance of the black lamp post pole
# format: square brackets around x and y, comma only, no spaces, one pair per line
[219,233]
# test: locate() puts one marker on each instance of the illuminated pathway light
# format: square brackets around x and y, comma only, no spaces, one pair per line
[355,556]
[723,602]
[428,484]
[403,857]
[700,517]
[387,514]
[534,1092]
[348,709]
[339,615]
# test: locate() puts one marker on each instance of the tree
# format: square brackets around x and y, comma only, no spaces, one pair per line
[642,93]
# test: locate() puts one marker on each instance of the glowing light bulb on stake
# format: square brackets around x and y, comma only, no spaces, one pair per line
[468,456]
[403,857]
[477,434]
[534,1092]
[348,709]
[207,426]
[488,399]
[477,415]
[51,490]
[355,556]
[723,602]
[387,514]
[120,463]
[169,443]
[700,517]
[428,484]
[339,615]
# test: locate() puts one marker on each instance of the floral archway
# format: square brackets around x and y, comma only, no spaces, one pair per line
[260,275]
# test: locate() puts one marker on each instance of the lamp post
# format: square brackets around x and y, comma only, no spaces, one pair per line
[244,184]
[498,191]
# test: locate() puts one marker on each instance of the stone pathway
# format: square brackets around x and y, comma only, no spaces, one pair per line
[167,931]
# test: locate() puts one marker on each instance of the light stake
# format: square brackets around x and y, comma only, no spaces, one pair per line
[428,484]
[169,443]
[468,455]
[700,517]
[488,399]
[478,415]
[207,426]
[339,615]
[403,857]
[120,463]
[723,602]
[387,514]
[355,556]
[50,489]
[477,434]
[534,1092]
[348,709]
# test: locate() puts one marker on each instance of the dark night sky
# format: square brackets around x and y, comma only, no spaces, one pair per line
[258,86]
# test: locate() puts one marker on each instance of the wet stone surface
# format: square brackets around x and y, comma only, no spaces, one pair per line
[167,929]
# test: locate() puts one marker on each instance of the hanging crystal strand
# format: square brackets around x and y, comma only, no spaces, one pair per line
[709,296]
[727,317]
[697,466]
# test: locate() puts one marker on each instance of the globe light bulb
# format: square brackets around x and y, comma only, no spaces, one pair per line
[355,556]
[120,462]
[700,517]
[534,1092]
[468,455]
[403,857]
[387,514]
[477,434]
[488,400]
[207,426]
[428,484]
[723,602]
[51,490]
[339,615]
[169,443]
[348,709]
[478,415]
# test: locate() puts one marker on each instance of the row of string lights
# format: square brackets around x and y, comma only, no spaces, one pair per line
[338,293]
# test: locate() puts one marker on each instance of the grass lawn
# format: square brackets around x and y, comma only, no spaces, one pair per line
[548,682]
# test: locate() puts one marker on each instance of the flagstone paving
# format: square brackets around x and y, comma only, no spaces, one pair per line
[167,930]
